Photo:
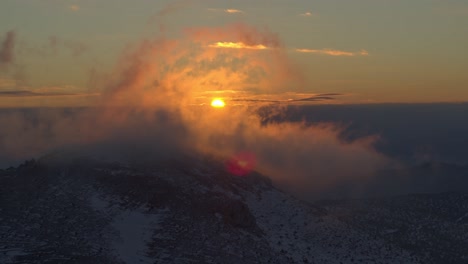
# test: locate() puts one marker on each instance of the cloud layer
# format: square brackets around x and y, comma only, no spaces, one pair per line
[334,52]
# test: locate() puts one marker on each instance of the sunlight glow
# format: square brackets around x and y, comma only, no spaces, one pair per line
[237,45]
[217,103]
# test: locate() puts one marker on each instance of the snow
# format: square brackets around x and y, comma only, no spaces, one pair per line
[98,203]
[308,237]
[8,255]
[462,217]
[134,229]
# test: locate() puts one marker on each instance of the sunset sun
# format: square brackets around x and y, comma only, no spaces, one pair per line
[217,103]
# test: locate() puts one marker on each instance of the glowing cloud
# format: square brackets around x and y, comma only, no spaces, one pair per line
[156,79]
[227,11]
[306,14]
[364,53]
[233,11]
[74,8]
[333,52]
[237,45]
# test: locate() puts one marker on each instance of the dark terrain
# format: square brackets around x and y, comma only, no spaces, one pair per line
[78,210]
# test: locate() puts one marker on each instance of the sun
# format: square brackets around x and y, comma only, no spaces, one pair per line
[217,103]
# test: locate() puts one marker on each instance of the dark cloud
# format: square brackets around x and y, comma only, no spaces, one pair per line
[315,98]
[26,93]
[7,49]
[52,46]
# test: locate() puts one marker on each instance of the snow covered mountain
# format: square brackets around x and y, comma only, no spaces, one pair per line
[190,210]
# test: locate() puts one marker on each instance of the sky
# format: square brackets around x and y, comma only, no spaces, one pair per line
[67,52]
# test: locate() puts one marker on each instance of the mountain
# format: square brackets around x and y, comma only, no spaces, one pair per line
[62,209]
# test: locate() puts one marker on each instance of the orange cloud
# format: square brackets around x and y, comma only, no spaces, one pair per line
[7,83]
[238,32]
[364,53]
[237,45]
[333,52]
[157,78]
[74,8]
[233,11]
[306,14]
[228,11]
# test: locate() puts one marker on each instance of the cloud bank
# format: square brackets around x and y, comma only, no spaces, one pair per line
[334,52]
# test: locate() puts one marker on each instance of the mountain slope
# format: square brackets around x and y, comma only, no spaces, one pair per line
[78,210]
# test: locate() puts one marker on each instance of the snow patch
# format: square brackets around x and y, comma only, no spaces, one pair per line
[135,229]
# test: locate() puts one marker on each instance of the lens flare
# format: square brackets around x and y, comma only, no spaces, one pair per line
[241,164]
[217,103]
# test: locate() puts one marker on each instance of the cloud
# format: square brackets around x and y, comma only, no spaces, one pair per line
[254,98]
[333,52]
[145,113]
[306,14]
[364,53]
[74,8]
[10,88]
[227,11]
[30,93]
[18,96]
[236,33]
[7,49]
[237,45]
[7,83]
[233,11]
[287,98]
[17,93]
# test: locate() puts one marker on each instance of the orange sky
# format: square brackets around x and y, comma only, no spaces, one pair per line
[366,52]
